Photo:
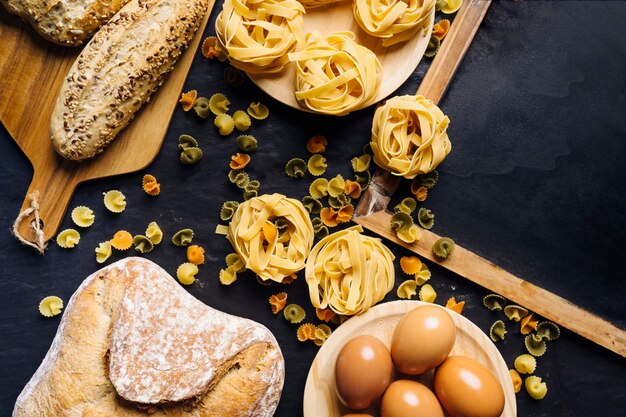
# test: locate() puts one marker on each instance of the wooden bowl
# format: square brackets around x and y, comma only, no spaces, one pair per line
[380,321]
[398,61]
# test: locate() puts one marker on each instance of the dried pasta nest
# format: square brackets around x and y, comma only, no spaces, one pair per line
[409,136]
[284,253]
[335,75]
[349,272]
[257,35]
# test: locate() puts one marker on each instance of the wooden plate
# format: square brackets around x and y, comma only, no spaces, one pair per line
[381,321]
[398,61]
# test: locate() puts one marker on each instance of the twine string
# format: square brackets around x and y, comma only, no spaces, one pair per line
[40,244]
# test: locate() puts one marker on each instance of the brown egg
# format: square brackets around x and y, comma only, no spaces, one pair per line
[406,398]
[466,388]
[362,372]
[423,339]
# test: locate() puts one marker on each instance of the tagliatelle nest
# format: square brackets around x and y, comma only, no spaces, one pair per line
[335,75]
[287,252]
[349,272]
[409,136]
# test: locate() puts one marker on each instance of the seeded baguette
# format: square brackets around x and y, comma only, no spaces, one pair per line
[117,72]
[65,22]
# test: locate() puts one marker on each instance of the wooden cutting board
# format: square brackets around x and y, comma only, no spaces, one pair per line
[31,74]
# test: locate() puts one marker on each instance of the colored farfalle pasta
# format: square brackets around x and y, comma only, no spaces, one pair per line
[258,111]
[515,312]
[296,168]
[188,99]
[339,201]
[426,218]
[114,201]
[449,6]
[535,345]
[352,189]
[406,230]
[322,333]
[516,379]
[234,77]
[443,247]
[239,161]
[361,163]
[407,205]
[336,186]
[50,306]
[407,289]
[195,254]
[228,276]
[234,261]
[150,185]
[535,387]
[294,313]
[306,332]
[312,205]
[122,240]
[349,272]
[224,123]
[494,302]
[285,253]
[528,324]
[219,104]
[242,120]
[319,188]
[257,35]
[202,107]
[103,252]
[247,143]
[394,21]
[190,155]
[497,331]
[154,233]
[324,314]
[316,144]
[335,75]
[83,216]
[210,48]
[410,265]
[317,165]
[427,293]
[278,302]
[143,244]
[68,238]
[525,364]
[409,136]
[183,237]
[455,306]
[440,29]
[186,273]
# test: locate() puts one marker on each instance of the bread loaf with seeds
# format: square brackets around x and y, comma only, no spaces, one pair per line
[117,72]
[65,22]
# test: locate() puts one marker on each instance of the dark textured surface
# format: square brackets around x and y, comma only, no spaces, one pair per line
[535,183]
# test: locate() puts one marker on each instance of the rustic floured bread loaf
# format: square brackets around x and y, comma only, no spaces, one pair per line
[117,72]
[133,342]
[65,22]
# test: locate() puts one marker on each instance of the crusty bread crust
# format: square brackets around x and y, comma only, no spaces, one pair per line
[65,22]
[117,72]
[74,380]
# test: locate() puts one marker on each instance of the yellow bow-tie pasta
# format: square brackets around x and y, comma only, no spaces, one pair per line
[409,136]
[349,272]
[336,75]
[277,256]
[256,35]
[394,21]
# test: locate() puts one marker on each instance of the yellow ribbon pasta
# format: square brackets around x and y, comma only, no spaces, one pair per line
[257,35]
[349,272]
[311,4]
[409,136]
[394,21]
[336,75]
[276,257]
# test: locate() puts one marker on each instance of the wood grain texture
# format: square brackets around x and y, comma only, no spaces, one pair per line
[398,61]
[380,321]
[31,74]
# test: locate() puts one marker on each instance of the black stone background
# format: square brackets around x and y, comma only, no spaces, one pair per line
[535,183]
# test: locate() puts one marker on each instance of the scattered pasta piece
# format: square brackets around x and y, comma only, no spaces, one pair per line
[50,306]
[515,312]
[186,141]
[221,229]
[361,163]
[317,165]
[219,104]
[228,276]
[294,313]
[154,233]
[536,389]
[410,265]
[319,188]
[186,273]
[228,209]
[338,202]
[242,120]
[525,364]
[336,186]
[239,178]
[324,314]
[422,276]
[535,345]
[289,278]
[143,244]
[427,293]
[497,331]
[329,217]
[270,233]
[316,144]
[68,238]
[494,302]
[190,156]
[428,180]
[345,213]
[224,123]
[202,107]
[407,289]
[210,48]
[122,240]
[443,247]
[426,218]
[450,6]
[183,237]
[455,306]
[516,379]
[548,331]
[296,168]
[234,77]
[402,224]
[239,161]
[195,254]
[421,194]
[234,261]
[285,255]
[409,136]
[440,29]
[335,75]
[188,99]
[352,189]
[83,216]
[410,235]
[312,205]
[433,47]
[103,252]
[278,302]
[394,22]
[349,272]
[322,232]
[247,143]
[150,185]
[322,332]
[258,111]
[306,332]
[363,178]
[250,193]
[407,205]
[528,324]
[114,201]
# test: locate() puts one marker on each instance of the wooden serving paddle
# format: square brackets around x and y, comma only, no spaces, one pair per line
[31,74]
[372,211]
